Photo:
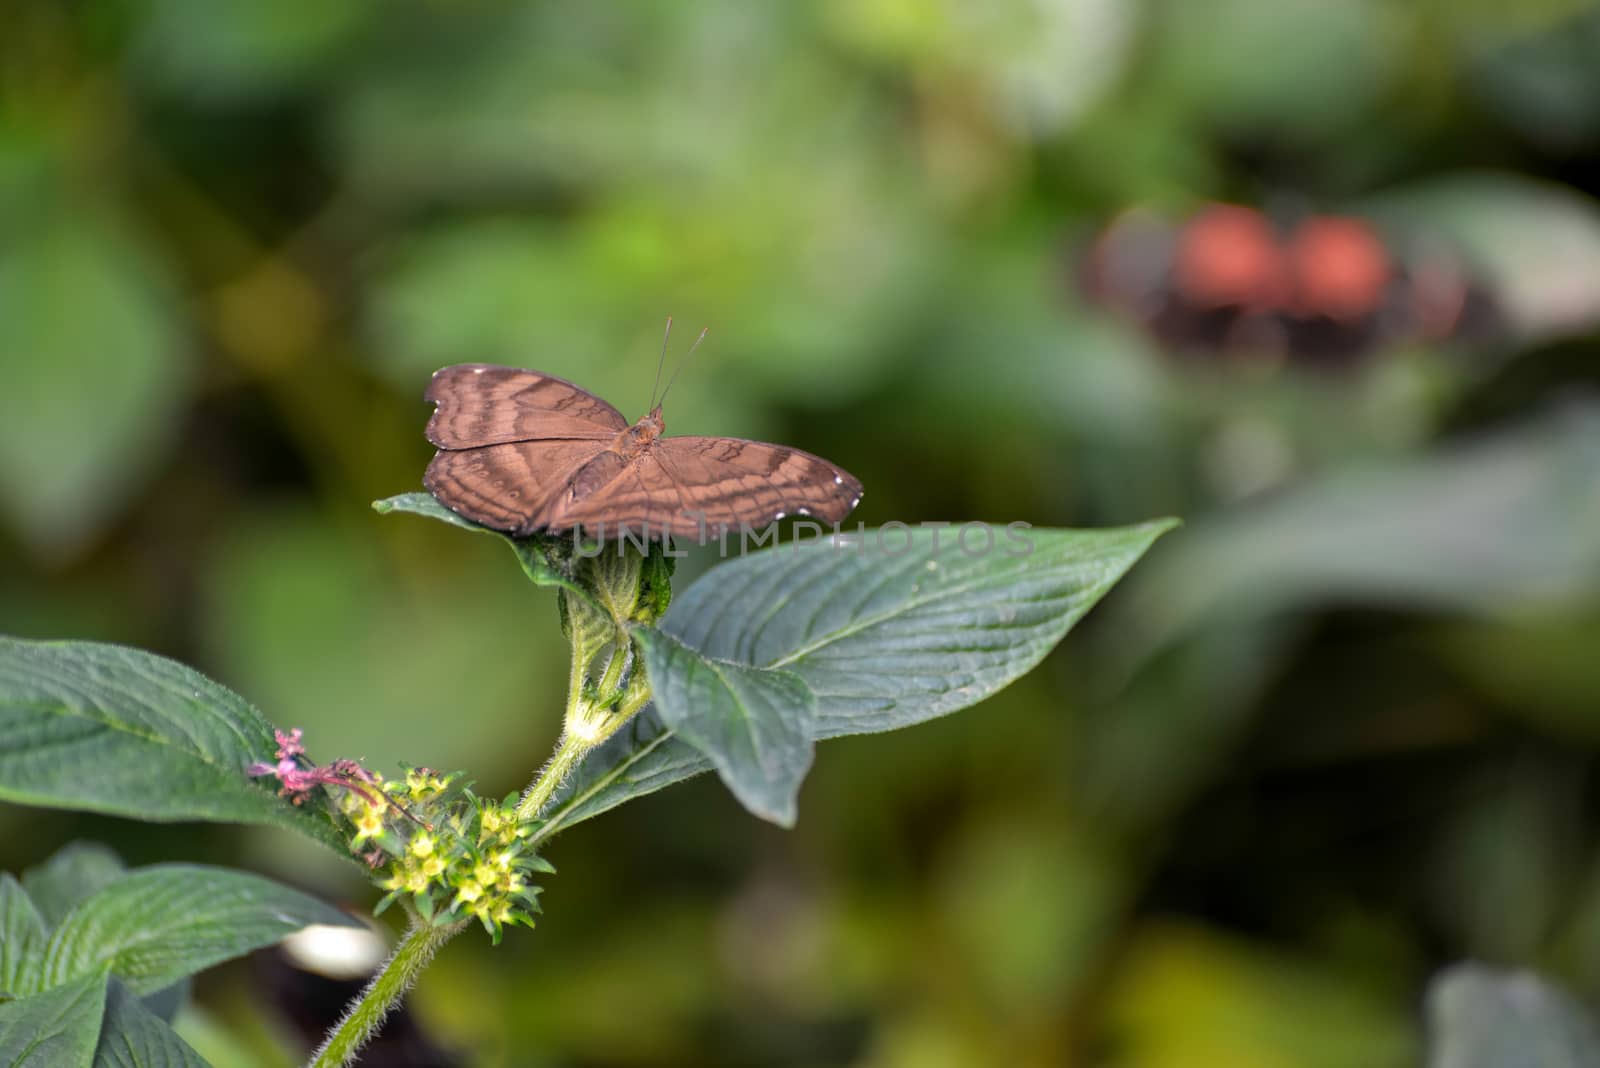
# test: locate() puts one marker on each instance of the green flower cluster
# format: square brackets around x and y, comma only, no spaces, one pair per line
[449,854]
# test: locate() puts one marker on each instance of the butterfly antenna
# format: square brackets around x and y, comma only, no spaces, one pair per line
[684,364]
[660,361]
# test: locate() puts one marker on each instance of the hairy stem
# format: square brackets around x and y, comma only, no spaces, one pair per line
[565,758]
[380,997]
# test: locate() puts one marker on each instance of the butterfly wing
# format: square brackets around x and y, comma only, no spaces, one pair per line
[694,485]
[482,404]
[510,485]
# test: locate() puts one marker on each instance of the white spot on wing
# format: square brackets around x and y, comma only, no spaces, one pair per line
[803,511]
[838,480]
[477,370]
[780,515]
[855,502]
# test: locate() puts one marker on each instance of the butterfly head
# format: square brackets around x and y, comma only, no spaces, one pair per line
[646,429]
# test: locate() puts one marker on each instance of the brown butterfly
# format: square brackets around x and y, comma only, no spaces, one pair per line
[523,451]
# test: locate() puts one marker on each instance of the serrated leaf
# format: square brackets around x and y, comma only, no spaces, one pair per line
[72,873]
[897,626]
[883,634]
[755,725]
[158,924]
[54,1029]
[529,551]
[111,729]
[1479,1017]
[131,1036]
[22,938]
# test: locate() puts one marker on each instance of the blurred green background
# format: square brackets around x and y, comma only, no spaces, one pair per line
[1337,732]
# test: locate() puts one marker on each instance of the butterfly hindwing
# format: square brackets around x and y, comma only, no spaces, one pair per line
[690,486]
[507,486]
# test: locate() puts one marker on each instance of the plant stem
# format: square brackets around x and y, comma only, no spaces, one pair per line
[621,657]
[567,754]
[380,997]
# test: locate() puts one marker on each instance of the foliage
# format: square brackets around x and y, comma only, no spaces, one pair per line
[84,945]
[780,636]
[1336,735]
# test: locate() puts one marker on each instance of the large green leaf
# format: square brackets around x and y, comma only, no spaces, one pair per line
[54,1029]
[158,924]
[898,626]
[112,729]
[72,873]
[756,725]
[131,1036]
[22,938]
[1482,1018]
[886,634]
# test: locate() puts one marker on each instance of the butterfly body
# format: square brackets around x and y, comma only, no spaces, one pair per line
[525,452]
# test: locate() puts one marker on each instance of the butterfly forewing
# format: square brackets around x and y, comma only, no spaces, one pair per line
[481,404]
[690,486]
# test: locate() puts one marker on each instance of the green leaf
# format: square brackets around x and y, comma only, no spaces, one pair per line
[641,758]
[1479,1017]
[900,625]
[112,729]
[72,873]
[22,938]
[158,924]
[56,1028]
[131,1036]
[531,553]
[883,639]
[755,724]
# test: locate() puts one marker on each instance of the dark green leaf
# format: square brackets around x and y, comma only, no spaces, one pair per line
[755,724]
[158,924]
[166,1003]
[112,729]
[877,636]
[131,1036]
[72,873]
[55,1029]
[1482,1018]
[530,552]
[901,625]
[22,938]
